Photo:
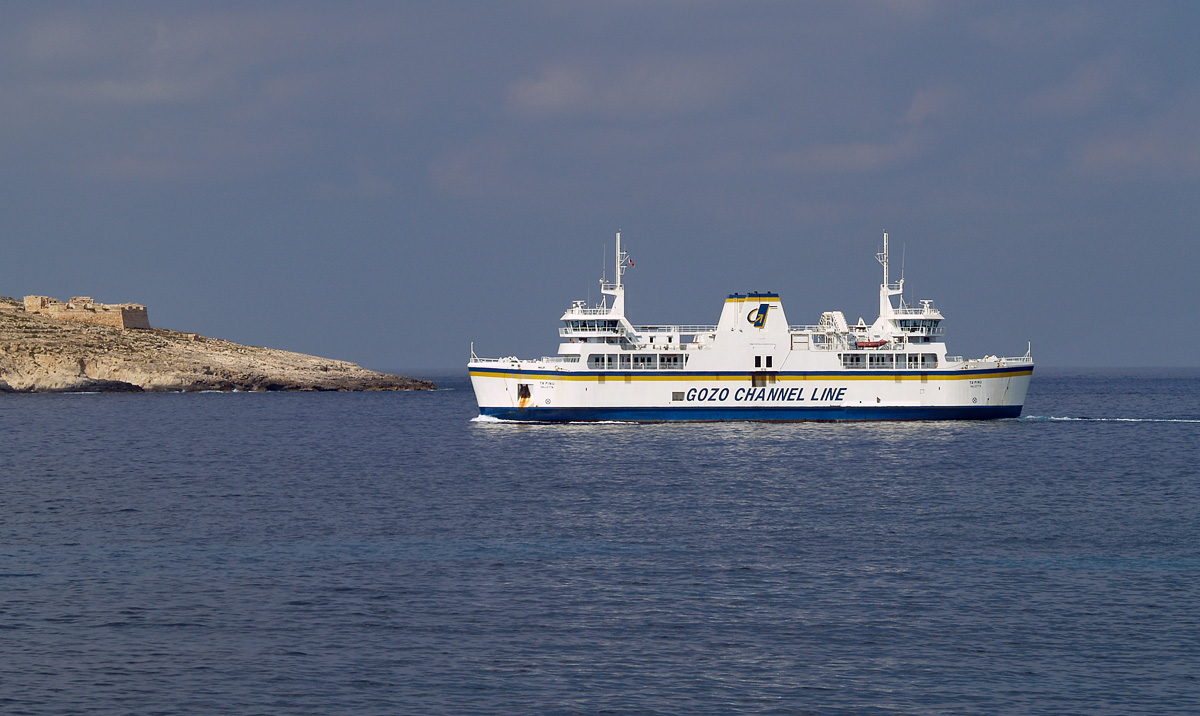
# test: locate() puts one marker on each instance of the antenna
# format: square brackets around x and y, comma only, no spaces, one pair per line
[620,259]
[882,257]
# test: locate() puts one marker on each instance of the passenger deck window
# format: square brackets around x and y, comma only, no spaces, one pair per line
[645,362]
[602,362]
[880,360]
[854,360]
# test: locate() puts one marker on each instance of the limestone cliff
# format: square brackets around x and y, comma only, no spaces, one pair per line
[41,354]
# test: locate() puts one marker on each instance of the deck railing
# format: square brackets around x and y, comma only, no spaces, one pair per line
[514,359]
[590,330]
[675,329]
[574,311]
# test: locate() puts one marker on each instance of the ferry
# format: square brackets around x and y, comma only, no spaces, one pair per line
[752,365]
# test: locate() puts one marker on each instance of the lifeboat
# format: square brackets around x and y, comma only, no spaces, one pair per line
[871,344]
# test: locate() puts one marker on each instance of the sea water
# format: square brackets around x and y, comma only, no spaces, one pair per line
[383,553]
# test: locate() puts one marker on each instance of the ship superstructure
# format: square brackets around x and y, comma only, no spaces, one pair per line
[752,365]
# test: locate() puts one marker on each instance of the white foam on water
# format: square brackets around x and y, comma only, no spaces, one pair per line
[487,419]
[493,419]
[1108,420]
[1048,418]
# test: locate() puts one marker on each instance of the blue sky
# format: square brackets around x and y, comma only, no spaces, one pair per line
[387,182]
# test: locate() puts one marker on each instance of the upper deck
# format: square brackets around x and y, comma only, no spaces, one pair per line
[754,324]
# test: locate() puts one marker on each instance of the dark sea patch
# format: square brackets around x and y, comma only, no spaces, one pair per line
[383,553]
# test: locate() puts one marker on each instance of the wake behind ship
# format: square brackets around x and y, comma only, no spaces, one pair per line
[752,365]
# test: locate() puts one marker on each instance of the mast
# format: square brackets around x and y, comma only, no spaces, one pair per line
[616,289]
[887,289]
[884,260]
[619,257]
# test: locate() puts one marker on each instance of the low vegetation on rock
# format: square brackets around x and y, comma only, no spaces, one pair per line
[40,354]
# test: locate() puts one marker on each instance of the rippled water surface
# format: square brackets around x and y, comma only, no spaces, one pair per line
[383,554]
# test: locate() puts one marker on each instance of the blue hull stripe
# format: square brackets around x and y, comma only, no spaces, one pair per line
[757,413]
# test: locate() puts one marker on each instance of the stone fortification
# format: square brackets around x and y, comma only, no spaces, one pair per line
[84,310]
[41,354]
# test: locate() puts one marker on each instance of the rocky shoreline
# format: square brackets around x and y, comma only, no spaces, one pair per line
[44,355]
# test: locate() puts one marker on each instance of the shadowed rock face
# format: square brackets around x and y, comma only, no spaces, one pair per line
[40,354]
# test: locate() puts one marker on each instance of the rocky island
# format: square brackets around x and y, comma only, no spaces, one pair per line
[47,346]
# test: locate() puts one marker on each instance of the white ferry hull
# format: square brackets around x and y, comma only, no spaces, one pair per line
[751,365]
[557,396]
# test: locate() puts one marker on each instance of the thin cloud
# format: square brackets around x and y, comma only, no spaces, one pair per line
[651,89]
[849,157]
[1038,29]
[141,91]
[58,40]
[1166,145]
[1090,86]
[165,96]
[929,103]
[861,157]
[365,184]
[480,171]
[179,154]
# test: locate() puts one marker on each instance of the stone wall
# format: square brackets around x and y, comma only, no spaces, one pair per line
[83,309]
